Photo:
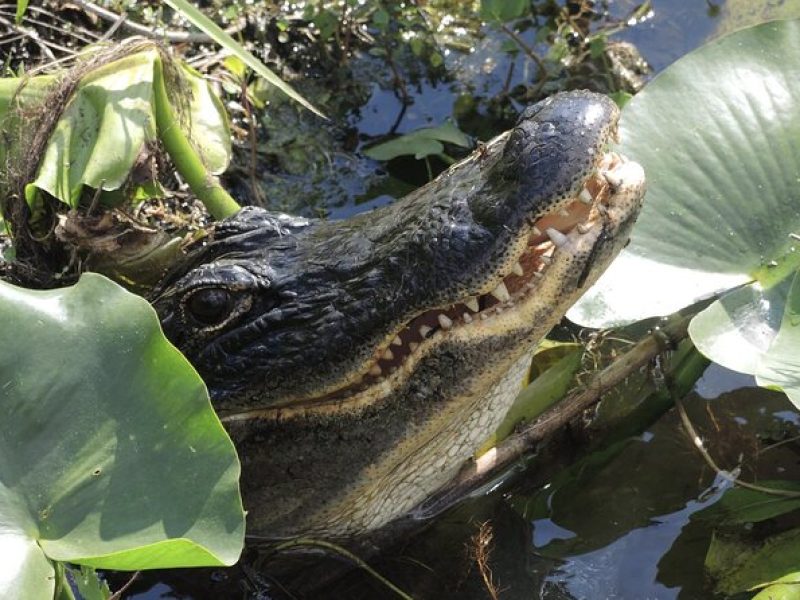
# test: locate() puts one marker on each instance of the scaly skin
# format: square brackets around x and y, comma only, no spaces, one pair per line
[359,363]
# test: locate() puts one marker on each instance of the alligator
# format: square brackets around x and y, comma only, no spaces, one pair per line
[358,364]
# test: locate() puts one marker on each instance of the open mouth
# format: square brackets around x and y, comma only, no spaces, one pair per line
[561,229]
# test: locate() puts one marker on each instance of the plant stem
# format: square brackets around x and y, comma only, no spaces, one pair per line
[187,161]
[312,543]
[527,50]
[491,463]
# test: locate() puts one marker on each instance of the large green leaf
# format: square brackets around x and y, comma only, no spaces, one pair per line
[110,452]
[718,134]
[110,121]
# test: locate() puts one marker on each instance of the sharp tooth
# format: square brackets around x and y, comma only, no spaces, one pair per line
[397,341]
[424,330]
[585,196]
[375,370]
[536,231]
[613,179]
[501,292]
[472,304]
[467,318]
[530,285]
[413,346]
[387,355]
[445,322]
[498,309]
[538,274]
[558,238]
[545,260]
[584,228]
[484,316]
[517,269]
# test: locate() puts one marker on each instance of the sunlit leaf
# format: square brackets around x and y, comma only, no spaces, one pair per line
[559,365]
[110,452]
[783,588]
[722,157]
[780,365]
[22,7]
[718,134]
[420,143]
[109,125]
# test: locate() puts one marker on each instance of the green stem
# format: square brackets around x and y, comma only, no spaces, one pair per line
[187,161]
[63,590]
[308,542]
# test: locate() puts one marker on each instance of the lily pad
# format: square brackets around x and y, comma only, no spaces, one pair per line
[110,453]
[718,134]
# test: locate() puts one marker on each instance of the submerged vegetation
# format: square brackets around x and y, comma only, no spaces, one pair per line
[115,158]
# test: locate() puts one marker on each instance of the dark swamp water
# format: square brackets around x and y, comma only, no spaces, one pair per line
[622,521]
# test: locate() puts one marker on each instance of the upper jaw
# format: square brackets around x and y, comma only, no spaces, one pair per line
[561,253]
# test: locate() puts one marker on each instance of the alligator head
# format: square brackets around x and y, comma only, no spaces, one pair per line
[358,363]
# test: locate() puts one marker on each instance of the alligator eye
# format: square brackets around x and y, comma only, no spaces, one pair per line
[210,306]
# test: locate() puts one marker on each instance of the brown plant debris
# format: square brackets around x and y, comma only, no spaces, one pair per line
[480,549]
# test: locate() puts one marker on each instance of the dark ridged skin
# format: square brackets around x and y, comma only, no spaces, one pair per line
[307,303]
[326,293]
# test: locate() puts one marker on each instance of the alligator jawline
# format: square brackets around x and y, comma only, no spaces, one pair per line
[400,351]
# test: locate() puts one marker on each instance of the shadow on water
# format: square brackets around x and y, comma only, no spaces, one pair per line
[618,523]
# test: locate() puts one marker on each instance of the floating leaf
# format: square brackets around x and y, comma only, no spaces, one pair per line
[739,565]
[110,452]
[420,143]
[739,505]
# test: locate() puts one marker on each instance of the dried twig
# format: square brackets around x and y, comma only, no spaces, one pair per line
[118,594]
[480,550]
